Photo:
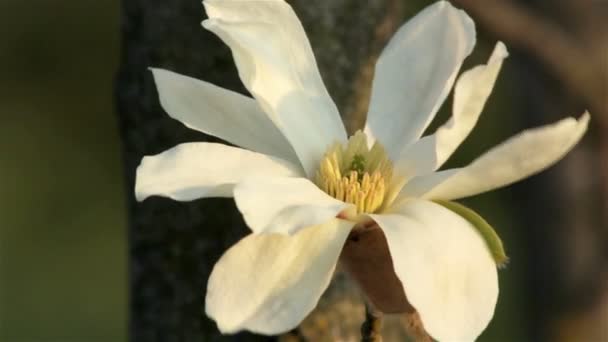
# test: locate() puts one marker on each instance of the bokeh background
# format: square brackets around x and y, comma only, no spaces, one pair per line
[63,211]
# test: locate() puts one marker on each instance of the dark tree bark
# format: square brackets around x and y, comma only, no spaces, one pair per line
[173,246]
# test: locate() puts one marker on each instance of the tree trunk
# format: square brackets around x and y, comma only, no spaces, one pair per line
[174,245]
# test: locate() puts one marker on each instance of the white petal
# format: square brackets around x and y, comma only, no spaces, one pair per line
[517,158]
[195,170]
[276,64]
[415,74]
[470,94]
[285,205]
[446,269]
[268,283]
[222,113]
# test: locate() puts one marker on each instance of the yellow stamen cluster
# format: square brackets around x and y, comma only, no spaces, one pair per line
[356,174]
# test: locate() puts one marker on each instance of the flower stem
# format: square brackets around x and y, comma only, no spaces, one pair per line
[371,329]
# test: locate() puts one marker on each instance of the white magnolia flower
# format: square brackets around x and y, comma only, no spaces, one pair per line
[302,186]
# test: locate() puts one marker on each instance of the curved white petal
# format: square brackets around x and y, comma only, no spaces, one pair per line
[447,271]
[470,94]
[276,64]
[285,205]
[415,74]
[517,158]
[268,283]
[195,170]
[222,113]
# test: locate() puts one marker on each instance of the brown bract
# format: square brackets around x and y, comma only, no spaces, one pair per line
[366,258]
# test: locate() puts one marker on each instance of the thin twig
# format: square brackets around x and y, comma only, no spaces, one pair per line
[371,329]
[556,48]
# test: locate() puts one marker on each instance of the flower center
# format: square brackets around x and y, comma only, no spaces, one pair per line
[355,174]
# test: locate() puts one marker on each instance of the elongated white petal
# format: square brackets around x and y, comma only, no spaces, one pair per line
[222,113]
[447,271]
[195,170]
[519,157]
[284,205]
[276,64]
[415,74]
[268,283]
[470,94]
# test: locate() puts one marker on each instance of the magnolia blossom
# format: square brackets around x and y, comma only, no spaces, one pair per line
[302,185]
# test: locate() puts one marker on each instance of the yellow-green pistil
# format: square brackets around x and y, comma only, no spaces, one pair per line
[356,174]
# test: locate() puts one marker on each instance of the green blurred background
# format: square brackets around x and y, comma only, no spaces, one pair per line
[63,255]
[63,274]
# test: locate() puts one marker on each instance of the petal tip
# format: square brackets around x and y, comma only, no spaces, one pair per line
[207,24]
[224,328]
[500,51]
[157,73]
[584,119]
[139,196]
[140,193]
[582,124]
[443,3]
[162,76]
[468,24]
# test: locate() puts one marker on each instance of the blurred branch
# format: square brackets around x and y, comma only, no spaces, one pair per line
[587,18]
[580,60]
[585,72]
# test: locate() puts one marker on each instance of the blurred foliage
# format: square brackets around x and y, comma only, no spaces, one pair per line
[62,217]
